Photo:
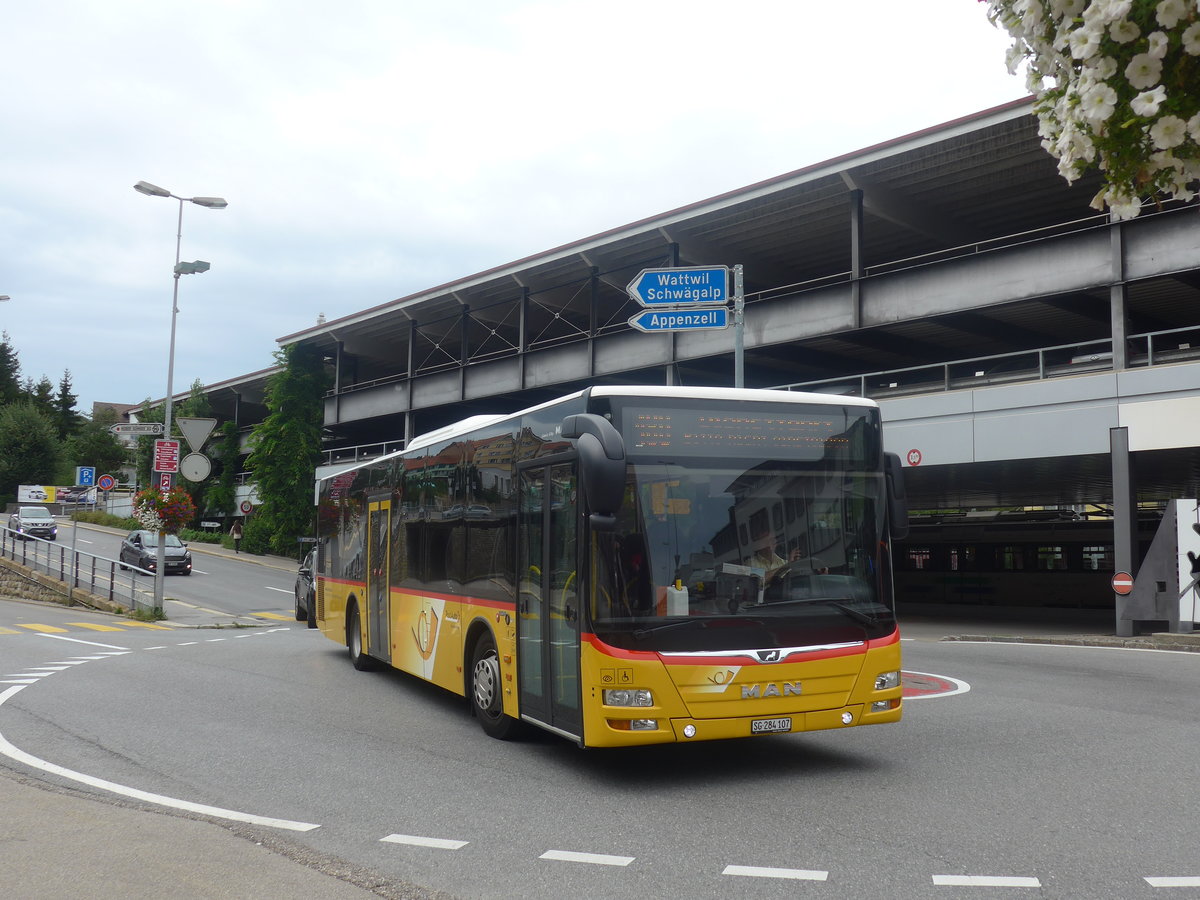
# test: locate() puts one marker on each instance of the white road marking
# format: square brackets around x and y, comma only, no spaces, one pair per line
[599,859]
[61,637]
[1169,881]
[281,590]
[767,872]
[21,756]
[985,881]
[417,841]
[21,681]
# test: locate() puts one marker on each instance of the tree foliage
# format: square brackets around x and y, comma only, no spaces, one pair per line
[30,452]
[286,447]
[222,494]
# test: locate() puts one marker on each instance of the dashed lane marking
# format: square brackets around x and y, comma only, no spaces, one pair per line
[43,629]
[986,881]
[413,840]
[768,872]
[596,859]
[1170,881]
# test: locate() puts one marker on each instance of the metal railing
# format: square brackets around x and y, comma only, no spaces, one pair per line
[1150,349]
[100,576]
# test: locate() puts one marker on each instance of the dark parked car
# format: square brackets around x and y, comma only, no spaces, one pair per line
[33,521]
[306,591]
[141,549]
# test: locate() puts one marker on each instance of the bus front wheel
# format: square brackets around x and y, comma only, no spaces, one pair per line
[354,643]
[487,693]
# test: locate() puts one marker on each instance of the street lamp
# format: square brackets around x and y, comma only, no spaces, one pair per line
[192,268]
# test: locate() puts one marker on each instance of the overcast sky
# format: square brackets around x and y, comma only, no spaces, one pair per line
[369,149]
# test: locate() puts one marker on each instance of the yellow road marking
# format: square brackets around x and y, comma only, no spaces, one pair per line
[133,624]
[44,629]
[94,627]
[4,630]
[268,615]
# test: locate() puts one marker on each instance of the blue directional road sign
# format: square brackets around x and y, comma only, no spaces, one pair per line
[85,476]
[659,320]
[681,287]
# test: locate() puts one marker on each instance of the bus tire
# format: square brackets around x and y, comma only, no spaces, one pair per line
[354,643]
[487,694]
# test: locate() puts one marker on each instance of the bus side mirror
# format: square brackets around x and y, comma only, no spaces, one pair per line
[601,466]
[897,496]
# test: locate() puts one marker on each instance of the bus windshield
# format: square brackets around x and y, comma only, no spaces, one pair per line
[712,553]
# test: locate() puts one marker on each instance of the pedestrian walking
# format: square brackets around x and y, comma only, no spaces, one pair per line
[236,533]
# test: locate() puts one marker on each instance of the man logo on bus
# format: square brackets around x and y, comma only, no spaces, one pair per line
[425,634]
[762,691]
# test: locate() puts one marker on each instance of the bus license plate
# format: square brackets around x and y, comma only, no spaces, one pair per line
[769,726]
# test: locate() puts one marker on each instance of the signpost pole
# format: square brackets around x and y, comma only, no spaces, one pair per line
[739,329]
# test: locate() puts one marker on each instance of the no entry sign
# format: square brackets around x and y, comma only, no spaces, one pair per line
[1122,583]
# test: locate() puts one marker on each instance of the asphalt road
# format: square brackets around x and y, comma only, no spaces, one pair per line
[222,587]
[1067,771]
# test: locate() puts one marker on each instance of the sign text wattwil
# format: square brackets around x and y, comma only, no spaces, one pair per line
[680,287]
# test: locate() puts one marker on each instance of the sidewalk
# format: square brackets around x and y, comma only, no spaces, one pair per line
[61,844]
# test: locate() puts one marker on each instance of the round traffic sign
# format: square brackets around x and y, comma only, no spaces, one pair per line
[914,457]
[1122,583]
[195,467]
[247,507]
[106,482]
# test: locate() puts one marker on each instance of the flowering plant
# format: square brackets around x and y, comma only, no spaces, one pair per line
[1117,87]
[159,511]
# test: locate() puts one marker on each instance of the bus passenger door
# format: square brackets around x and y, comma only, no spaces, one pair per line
[379,554]
[548,603]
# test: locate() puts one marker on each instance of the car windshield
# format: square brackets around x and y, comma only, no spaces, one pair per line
[150,540]
[36,512]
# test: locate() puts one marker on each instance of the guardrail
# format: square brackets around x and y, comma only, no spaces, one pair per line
[98,575]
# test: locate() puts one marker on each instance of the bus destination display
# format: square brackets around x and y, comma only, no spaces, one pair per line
[782,434]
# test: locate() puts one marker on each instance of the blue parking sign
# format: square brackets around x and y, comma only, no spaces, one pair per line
[85,476]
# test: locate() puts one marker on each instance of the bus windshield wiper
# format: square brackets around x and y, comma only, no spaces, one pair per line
[838,603]
[679,623]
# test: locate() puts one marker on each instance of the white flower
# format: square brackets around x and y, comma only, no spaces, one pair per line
[1143,71]
[1168,132]
[1147,102]
[1193,127]
[1124,206]
[1158,44]
[1084,42]
[1191,39]
[1111,10]
[1169,12]
[1123,31]
[1101,68]
[1098,103]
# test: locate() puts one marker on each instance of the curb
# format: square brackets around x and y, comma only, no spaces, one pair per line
[1180,643]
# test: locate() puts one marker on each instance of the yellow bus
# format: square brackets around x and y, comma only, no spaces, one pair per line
[630,565]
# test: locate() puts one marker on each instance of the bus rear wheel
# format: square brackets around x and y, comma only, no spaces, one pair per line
[487,694]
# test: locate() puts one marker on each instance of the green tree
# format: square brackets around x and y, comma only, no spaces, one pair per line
[66,419]
[286,447]
[143,455]
[222,495]
[30,452]
[10,372]
[41,395]
[93,444]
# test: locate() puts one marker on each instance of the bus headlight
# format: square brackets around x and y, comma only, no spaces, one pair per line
[628,697]
[887,681]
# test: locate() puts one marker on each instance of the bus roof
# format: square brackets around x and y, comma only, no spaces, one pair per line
[737,395]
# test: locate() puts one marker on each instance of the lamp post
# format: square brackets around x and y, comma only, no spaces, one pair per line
[192,268]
